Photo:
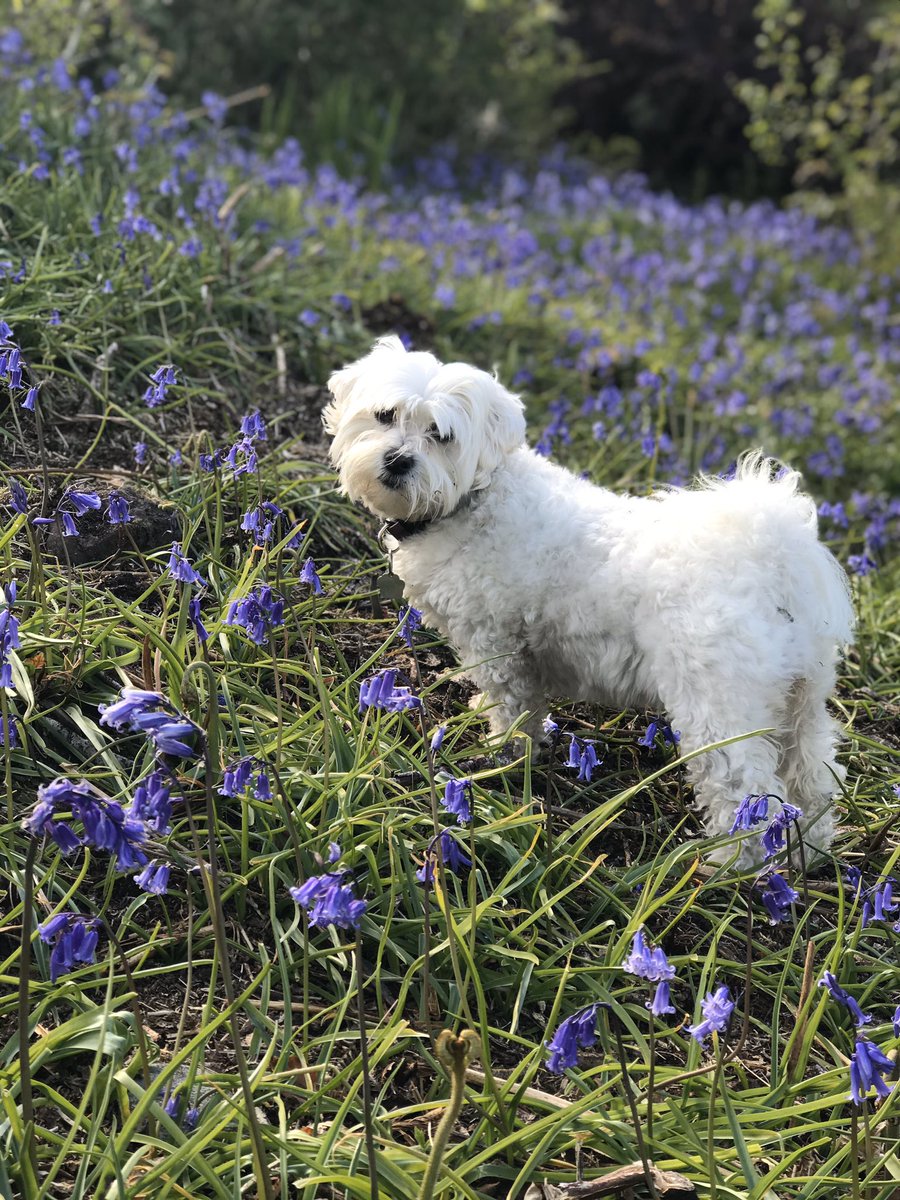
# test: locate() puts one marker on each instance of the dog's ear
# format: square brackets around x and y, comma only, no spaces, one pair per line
[342,383]
[505,418]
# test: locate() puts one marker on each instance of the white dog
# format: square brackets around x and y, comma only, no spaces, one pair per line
[717,605]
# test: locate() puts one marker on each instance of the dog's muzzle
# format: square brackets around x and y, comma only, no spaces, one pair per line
[397,466]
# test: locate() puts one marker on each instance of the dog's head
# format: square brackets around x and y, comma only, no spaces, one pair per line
[413,436]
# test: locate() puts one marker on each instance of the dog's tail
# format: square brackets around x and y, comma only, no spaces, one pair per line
[776,490]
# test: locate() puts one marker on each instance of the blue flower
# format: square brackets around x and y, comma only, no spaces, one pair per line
[154,878]
[236,777]
[258,613]
[170,731]
[573,1034]
[194,616]
[241,458]
[83,502]
[660,1004]
[861,564]
[132,701]
[842,996]
[457,799]
[253,426]
[140,453]
[648,964]
[308,575]
[30,398]
[10,732]
[454,859]
[18,497]
[583,758]
[74,940]
[117,509]
[328,901]
[410,621]
[659,726]
[181,569]
[717,1008]
[777,896]
[161,380]
[381,692]
[868,1067]
[773,837]
[437,738]
[751,811]
[550,728]
[107,826]
[152,803]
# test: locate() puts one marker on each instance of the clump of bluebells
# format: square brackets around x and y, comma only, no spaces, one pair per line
[716,1007]
[328,900]
[653,966]
[659,727]
[452,857]
[74,940]
[583,758]
[381,691]
[239,775]
[258,614]
[457,799]
[578,1032]
[106,824]
[171,732]
[777,895]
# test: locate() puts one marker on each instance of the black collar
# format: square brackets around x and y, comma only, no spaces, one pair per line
[401,530]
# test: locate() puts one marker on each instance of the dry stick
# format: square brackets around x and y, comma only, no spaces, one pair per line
[806,985]
[366,1080]
[24,1030]
[632,1104]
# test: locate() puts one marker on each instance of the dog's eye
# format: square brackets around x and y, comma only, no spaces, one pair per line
[444,439]
[386,417]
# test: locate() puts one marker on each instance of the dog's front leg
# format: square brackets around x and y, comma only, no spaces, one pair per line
[510,687]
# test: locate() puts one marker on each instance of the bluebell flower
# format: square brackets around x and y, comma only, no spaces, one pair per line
[258,613]
[328,901]
[152,803]
[194,616]
[161,380]
[550,728]
[777,896]
[140,453]
[9,732]
[82,502]
[54,318]
[18,497]
[153,878]
[895,1022]
[107,826]
[661,1004]
[842,996]
[74,940]
[262,789]
[308,575]
[573,1034]
[659,726]
[648,964]
[117,512]
[773,838]
[437,738]
[410,621]
[31,397]
[170,731]
[454,859]
[216,106]
[583,758]
[861,564]
[717,1008]
[211,462]
[309,317]
[253,426]
[869,1066]
[132,701]
[457,799]
[380,692]
[752,810]
[242,459]
[179,567]
[236,777]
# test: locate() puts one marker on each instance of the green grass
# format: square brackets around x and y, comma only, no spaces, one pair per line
[533,932]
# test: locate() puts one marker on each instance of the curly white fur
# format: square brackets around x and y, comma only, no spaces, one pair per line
[717,604]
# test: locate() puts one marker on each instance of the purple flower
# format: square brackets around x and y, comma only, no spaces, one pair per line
[194,615]
[861,564]
[18,497]
[437,738]
[82,502]
[842,996]
[30,398]
[154,878]
[216,106]
[659,726]
[868,1067]
[457,799]
[10,732]
[131,703]
[117,509]
[107,826]
[717,1008]
[648,964]
[140,453]
[254,427]
[308,575]
[236,777]
[309,317]
[551,728]
[380,692]
[751,811]
[181,569]
[258,614]
[583,758]
[454,859]
[74,940]
[152,803]
[211,462]
[69,528]
[773,837]
[573,1034]
[241,458]
[328,901]
[410,621]
[777,896]
[660,1004]
[149,713]
[262,789]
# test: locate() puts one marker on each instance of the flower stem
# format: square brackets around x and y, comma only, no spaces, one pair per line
[454,1053]
[366,1078]
[29,1156]
[616,1028]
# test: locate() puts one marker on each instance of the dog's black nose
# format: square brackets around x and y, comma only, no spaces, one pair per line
[398,465]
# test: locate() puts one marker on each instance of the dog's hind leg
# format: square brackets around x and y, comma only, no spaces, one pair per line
[810,771]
